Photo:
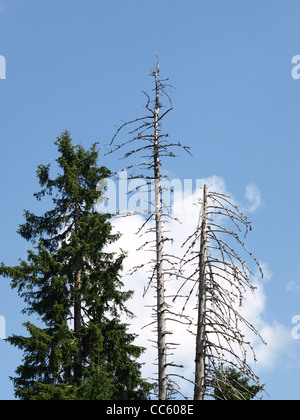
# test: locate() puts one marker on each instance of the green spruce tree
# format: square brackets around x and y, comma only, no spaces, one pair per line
[81,350]
[230,384]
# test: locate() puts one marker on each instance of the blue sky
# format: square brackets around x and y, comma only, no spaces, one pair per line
[82,66]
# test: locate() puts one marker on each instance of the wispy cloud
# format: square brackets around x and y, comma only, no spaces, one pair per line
[293,287]
[253,196]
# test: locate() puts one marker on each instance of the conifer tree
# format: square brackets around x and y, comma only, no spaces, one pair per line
[80,349]
[233,385]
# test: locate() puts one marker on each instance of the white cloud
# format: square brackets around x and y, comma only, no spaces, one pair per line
[279,340]
[276,335]
[217,184]
[253,196]
[294,285]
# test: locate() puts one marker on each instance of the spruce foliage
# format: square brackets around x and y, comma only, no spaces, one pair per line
[82,350]
[230,384]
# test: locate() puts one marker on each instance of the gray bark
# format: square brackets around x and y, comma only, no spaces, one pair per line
[161,315]
[199,390]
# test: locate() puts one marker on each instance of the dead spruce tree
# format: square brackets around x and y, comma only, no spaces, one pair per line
[146,145]
[217,276]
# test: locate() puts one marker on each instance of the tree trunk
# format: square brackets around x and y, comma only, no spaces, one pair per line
[161,315]
[200,384]
[77,305]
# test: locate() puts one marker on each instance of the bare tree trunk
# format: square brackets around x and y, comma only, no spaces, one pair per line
[161,315]
[150,145]
[199,391]
[222,277]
